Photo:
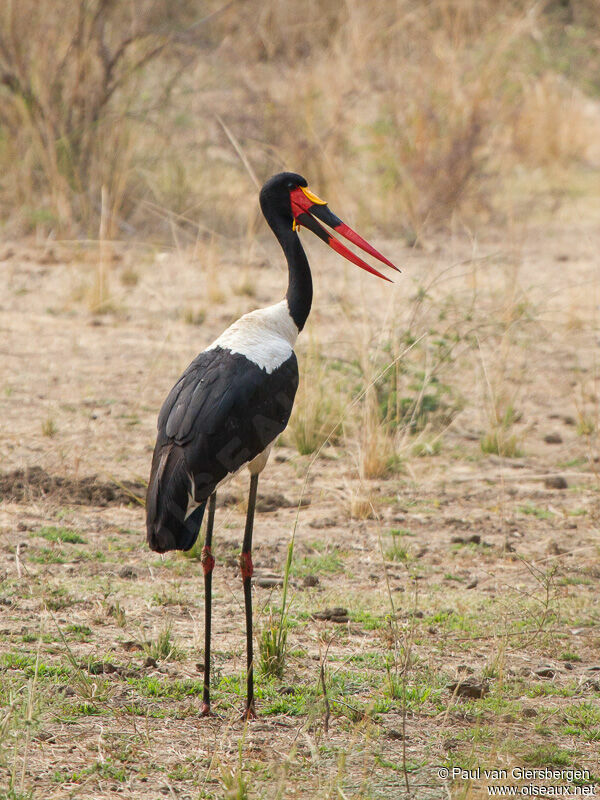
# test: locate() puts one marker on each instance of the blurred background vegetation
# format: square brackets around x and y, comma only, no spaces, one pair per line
[146,115]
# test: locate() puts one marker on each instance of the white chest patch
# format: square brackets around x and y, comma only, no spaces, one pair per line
[265,336]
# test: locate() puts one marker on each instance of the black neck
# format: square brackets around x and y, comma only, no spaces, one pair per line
[300,291]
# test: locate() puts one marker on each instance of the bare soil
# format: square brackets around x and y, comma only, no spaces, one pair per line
[461,564]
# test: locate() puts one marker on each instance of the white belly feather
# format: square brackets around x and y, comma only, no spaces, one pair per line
[265,336]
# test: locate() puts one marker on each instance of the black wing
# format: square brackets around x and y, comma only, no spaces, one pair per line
[221,413]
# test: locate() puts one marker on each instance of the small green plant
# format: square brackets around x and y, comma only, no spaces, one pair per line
[117,611]
[397,551]
[170,596]
[427,447]
[234,784]
[414,694]
[58,599]
[80,632]
[583,720]
[273,644]
[586,425]
[412,398]
[327,562]
[49,427]
[499,443]
[129,277]
[194,317]
[46,555]
[569,655]
[502,414]
[163,648]
[273,641]
[540,513]
[153,686]
[548,755]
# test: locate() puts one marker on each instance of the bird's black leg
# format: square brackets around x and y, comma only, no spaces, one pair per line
[208,563]
[247,570]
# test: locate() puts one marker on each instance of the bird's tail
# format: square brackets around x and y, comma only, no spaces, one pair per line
[169,525]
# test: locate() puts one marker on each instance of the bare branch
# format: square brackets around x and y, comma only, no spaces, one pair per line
[111,89]
[14,85]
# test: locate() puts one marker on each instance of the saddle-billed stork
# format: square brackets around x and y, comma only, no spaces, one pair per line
[235,398]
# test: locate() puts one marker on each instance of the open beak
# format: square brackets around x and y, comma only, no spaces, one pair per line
[306,206]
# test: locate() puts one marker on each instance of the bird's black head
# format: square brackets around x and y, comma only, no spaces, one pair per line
[275,195]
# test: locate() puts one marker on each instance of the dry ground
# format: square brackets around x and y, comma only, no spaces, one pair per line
[453,564]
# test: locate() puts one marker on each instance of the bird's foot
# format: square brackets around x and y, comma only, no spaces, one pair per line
[249,712]
[205,710]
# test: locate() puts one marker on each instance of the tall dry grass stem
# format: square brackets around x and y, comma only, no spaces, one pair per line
[100,291]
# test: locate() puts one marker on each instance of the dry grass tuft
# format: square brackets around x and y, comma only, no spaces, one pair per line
[499,442]
[552,126]
[318,406]
[361,506]
[376,446]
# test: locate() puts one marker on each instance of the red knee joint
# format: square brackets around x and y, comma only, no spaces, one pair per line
[246,565]
[208,561]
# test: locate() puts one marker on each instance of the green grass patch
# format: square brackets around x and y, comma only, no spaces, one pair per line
[583,721]
[397,551]
[272,646]
[58,599]
[498,701]
[87,709]
[580,461]
[294,702]
[370,621]
[107,770]
[169,597]
[414,696]
[448,576]
[163,647]
[451,620]
[27,664]
[548,755]
[55,534]
[80,632]
[46,555]
[87,555]
[137,709]
[128,531]
[573,580]
[501,444]
[152,686]
[568,655]
[551,690]
[372,659]
[318,564]
[540,513]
